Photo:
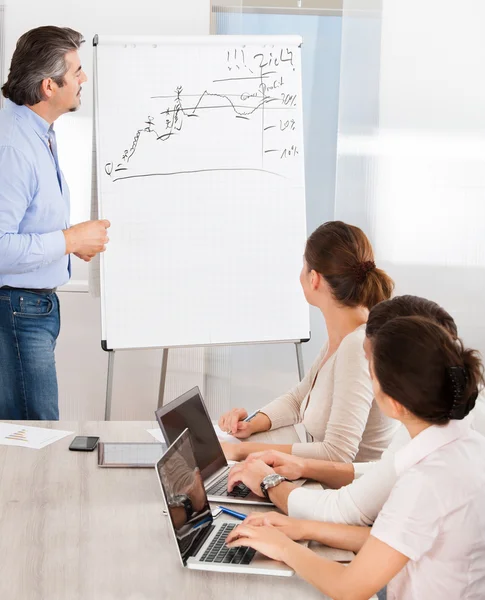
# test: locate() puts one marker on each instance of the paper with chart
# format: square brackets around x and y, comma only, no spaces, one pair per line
[201,174]
[29,437]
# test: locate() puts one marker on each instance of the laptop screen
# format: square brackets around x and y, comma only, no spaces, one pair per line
[185,496]
[188,411]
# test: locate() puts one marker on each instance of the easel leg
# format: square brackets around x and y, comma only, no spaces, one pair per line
[109,385]
[163,377]
[299,360]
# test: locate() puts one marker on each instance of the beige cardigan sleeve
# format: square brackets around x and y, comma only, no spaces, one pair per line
[351,401]
[285,410]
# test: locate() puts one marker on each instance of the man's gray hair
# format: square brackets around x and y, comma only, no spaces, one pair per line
[39,54]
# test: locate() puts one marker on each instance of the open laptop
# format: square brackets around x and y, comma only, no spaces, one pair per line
[200,540]
[189,411]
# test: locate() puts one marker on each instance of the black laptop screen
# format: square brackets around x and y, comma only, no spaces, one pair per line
[188,412]
[185,496]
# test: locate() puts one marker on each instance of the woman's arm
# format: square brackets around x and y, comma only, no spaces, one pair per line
[240,452]
[372,569]
[345,537]
[374,566]
[351,401]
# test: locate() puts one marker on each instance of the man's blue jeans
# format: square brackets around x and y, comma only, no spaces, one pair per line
[29,326]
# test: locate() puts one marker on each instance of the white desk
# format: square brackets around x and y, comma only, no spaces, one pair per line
[70,530]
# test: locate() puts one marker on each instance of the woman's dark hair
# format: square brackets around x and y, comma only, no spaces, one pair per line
[409,306]
[418,364]
[39,54]
[343,255]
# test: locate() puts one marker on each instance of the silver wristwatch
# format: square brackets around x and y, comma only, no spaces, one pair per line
[271,481]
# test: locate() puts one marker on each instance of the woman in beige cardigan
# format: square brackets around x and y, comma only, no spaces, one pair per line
[334,401]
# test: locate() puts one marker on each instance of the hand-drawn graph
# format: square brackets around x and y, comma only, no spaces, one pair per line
[253,103]
[201,173]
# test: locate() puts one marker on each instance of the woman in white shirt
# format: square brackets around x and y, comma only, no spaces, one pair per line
[334,401]
[429,538]
[360,489]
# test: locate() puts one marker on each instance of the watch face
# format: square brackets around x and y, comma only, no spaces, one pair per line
[272,479]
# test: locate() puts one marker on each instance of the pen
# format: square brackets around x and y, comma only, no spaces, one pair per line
[251,416]
[233,513]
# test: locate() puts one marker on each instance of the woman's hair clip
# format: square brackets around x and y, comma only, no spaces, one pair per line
[458,380]
[362,269]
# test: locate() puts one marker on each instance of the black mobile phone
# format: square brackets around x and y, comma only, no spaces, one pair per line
[84,443]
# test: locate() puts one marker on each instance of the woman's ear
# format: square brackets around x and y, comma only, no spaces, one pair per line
[315,280]
[397,410]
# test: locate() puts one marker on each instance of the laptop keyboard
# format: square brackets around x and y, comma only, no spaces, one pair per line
[218,552]
[219,488]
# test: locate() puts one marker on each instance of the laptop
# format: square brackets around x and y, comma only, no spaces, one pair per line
[189,412]
[200,540]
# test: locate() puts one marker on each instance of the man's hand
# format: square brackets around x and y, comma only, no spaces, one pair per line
[251,474]
[87,239]
[291,467]
[85,257]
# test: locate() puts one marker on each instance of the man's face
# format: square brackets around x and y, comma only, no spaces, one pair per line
[68,97]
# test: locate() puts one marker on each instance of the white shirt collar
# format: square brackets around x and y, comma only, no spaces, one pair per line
[427,442]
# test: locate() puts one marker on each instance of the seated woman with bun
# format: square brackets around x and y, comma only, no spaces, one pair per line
[334,401]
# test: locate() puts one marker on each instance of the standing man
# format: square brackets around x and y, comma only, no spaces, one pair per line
[36,240]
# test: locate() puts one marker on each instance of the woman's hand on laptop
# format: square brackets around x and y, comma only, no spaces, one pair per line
[251,474]
[291,467]
[270,541]
[295,529]
[233,422]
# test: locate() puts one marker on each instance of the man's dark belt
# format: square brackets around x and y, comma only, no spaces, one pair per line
[35,291]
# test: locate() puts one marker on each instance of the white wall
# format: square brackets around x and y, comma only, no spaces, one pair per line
[411,155]
[430,197]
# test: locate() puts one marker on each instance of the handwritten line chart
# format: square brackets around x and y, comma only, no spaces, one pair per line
[264,101]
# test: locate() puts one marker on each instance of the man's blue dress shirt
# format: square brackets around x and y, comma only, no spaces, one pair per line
[34,202]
